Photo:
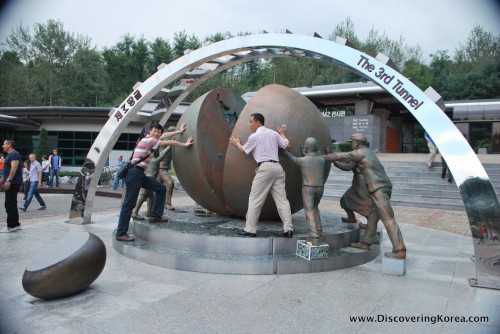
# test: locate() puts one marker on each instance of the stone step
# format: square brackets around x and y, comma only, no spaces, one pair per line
[408,176]
[428,190]
[413,184]
[417,201]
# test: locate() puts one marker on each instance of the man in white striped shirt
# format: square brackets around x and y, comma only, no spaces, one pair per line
[270,176]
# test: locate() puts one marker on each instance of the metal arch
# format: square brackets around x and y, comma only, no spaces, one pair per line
[447,137]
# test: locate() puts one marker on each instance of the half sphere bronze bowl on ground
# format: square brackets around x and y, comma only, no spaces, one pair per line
[66,267]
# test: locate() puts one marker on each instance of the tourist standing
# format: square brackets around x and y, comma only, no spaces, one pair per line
[35,179]
[45,169]
[263,143]
[1,164]
[55,161]
[11,180]
[25,188]
[137,178]
[121,163]
[432,149]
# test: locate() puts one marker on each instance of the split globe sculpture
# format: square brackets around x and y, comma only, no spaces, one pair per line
[215,174]
[481,204]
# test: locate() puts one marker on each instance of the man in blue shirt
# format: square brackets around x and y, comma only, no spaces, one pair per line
[11,181]
[121,163]
[55,166]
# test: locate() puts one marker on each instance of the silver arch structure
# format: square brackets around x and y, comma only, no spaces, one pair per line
[481,203]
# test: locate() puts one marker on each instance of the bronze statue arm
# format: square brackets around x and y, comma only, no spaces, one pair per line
[189,142]
[290,156]
[345,165]
[173,133]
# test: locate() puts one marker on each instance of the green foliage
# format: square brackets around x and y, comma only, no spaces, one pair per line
[183,42]
[421,145]
[345,146]
[483,143]
[70,174]
[54,67]
[43,145]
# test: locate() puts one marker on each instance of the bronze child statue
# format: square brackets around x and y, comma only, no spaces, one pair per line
[312,166]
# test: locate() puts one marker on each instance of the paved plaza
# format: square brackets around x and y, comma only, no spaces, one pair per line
[133,297]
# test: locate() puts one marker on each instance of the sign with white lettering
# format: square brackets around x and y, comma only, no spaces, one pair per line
[360,124]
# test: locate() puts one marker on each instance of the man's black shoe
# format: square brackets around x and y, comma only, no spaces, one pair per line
[247,234]
[288,234]
[154,219]
[126,238]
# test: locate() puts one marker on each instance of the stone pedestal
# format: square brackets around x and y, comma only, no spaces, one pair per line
[391,266]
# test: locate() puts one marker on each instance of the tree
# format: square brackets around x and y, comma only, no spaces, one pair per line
[419,73]
[183,42]
[125,65]
[345,29]
[160,52]
[85,80]
[53,50]
[20,43]
[480,47]
[12,85]
[43,147]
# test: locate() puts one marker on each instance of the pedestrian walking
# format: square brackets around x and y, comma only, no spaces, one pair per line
[35,179]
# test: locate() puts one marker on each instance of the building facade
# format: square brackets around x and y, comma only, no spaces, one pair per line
[346,108]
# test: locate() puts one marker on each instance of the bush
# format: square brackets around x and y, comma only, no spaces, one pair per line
[70,174]
[485,143]
[421,146]
[347,146]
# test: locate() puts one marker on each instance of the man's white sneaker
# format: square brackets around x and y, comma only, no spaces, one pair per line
[7,229]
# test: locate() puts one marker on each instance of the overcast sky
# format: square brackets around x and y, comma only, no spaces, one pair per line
[432,24]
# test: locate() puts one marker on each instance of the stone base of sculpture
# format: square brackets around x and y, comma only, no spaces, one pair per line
[393,266]
[211,244]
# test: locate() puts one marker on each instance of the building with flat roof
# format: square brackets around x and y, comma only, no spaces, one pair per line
[347,108]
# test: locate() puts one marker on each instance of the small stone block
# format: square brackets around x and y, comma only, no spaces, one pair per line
[391,266]
[311,252]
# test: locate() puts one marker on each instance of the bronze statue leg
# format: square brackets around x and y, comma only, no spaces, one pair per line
[317,199]
[169,184]
[351,217]
[150,198]
[308,196]
[140,200]
[381,198]
[371,228]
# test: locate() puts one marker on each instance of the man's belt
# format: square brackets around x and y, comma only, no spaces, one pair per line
[273,161]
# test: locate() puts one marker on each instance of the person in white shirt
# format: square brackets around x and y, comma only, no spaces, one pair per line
[35,179]
[45,169]
[270,176]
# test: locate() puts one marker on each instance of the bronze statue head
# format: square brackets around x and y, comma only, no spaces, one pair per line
[358,139]
[310,146]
